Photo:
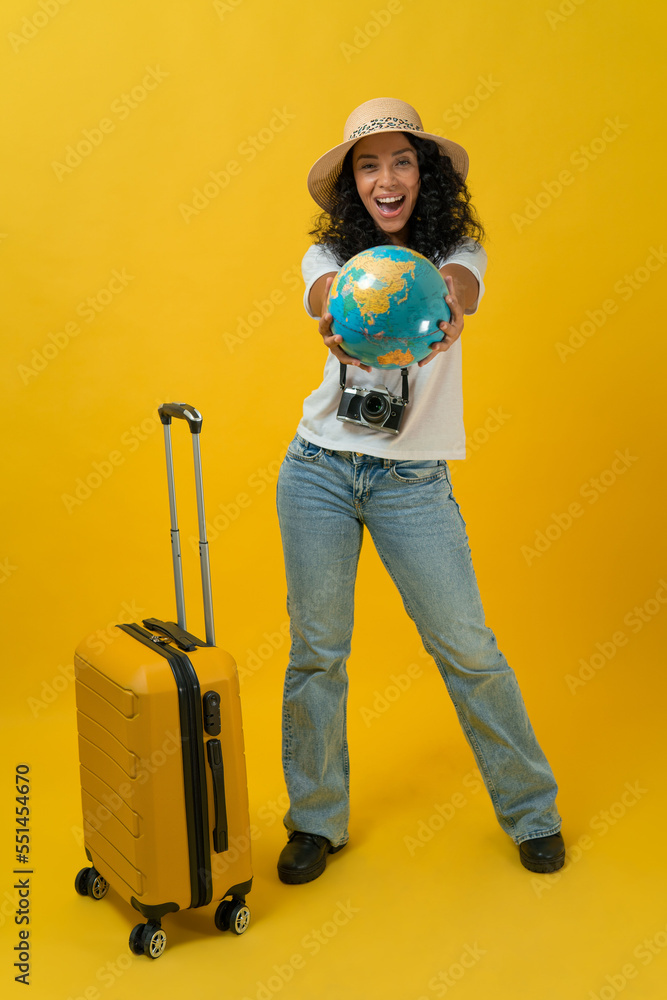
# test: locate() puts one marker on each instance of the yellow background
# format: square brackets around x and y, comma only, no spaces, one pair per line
[534,83]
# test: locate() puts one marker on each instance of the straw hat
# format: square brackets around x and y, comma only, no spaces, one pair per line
[383,114]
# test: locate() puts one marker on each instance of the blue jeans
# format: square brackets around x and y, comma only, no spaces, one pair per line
[324,500]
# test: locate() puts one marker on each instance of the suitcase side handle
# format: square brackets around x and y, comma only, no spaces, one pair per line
[220,831]
[194,419]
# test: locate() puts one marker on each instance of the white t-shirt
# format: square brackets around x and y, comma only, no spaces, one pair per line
[433,422]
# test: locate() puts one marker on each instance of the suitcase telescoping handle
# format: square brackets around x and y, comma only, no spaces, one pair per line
[194,419]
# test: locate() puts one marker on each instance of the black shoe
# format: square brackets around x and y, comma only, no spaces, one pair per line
[543,854]
[304,857]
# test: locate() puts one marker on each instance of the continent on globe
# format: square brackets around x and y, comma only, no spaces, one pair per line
[398,358]
[386,302]
[371,300]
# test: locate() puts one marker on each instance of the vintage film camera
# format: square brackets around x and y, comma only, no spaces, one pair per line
[376,407]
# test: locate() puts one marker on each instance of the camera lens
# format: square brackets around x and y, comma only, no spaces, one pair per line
[375,408]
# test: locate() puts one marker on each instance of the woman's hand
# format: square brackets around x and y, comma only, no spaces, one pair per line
[452,329]
[333,341]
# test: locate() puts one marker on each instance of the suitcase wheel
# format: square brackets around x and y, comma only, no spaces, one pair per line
[89,882]
[148,939]
[232,915]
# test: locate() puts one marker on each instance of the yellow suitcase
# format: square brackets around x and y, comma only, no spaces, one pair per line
[163,778]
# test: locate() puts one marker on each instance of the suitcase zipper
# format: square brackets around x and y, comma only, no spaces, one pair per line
[194,773]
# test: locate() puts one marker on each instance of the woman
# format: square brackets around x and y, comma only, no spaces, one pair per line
[391,182]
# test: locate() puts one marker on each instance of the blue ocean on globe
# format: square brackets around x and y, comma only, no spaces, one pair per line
[386,303]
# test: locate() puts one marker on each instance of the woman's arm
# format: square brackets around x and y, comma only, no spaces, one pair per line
[318,293]
[466,285]
[463,289]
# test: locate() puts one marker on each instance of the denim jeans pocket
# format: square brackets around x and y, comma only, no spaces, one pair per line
[304,451]
[419,471]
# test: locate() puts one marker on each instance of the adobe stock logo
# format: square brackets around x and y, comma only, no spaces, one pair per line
[625,288]
[645,951]
[248,149]
[462,110]
[445,979]
[103,469]
[59,340]
[601,824]
[91,138]
[365,33]
[580,158]
[33,24]
[7,569]
[566,8]
[592,490]
[606,649]
[223,7]
[496,418]
[262,309]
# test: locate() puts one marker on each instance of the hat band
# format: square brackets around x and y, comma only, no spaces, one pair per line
[379,123]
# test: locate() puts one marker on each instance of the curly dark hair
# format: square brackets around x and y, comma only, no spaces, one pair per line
[441,219]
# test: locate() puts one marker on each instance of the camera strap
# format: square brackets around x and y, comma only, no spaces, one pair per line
[404,382]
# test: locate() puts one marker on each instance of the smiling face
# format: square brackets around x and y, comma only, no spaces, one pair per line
[387,177]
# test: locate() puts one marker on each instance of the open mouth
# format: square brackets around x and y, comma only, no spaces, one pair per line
[389,207]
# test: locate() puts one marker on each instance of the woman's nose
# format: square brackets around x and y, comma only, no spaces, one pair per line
[386,177]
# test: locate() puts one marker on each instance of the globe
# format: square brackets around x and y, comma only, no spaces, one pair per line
[386,303]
